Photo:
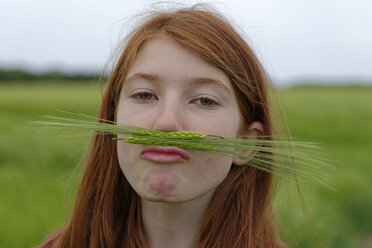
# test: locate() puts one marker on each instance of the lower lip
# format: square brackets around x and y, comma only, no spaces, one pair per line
[162,157]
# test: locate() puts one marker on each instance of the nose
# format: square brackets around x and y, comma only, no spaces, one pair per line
[169,116]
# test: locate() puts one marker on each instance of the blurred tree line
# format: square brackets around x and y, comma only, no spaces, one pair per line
[17,75]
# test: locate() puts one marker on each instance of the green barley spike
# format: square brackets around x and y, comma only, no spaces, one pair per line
[174,134]
[282,157]
[162,142]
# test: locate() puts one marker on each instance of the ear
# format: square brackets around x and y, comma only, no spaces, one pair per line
[255,129]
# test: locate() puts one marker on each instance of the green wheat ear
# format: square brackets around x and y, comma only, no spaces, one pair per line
[172,135]
[294,160]
[161,142]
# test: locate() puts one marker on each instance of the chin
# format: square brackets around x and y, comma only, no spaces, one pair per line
[161,193]
[170,193]
[161,198]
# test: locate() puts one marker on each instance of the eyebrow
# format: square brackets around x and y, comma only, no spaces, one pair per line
[140,75]
[196,81]
[200,81]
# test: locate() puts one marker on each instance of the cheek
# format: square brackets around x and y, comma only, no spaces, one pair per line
[122,154]
[222,125]
[134,117]
[126,157]
[212,169]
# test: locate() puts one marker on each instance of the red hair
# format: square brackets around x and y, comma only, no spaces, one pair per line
[107,211]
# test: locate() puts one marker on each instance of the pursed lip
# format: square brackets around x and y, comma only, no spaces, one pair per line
[164,154]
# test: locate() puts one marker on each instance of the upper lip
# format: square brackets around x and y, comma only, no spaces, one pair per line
[163,149]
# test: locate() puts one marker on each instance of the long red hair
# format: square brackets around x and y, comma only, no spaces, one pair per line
[107,211]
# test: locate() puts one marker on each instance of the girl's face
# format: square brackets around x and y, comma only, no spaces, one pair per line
[170,88]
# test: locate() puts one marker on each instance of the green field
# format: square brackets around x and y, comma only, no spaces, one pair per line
[39,171]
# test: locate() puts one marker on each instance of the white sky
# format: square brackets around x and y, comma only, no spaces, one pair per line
[294,39]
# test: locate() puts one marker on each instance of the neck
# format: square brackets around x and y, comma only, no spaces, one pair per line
[173,225]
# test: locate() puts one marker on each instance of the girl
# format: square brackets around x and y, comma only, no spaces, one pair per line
[180,70]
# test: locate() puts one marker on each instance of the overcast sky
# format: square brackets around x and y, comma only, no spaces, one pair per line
[294,39]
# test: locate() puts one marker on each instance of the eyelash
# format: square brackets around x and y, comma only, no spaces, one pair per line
[138,95]
[211,102]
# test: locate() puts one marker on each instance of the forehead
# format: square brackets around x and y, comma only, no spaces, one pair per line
[164,57]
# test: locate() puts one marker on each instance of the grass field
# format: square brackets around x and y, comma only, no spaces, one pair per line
[39,171]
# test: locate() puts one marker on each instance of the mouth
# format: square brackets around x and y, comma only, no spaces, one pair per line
[164,154]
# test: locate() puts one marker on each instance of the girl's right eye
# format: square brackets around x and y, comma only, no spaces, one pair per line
[143,96]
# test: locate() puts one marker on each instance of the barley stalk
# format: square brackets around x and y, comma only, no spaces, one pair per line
[294,160]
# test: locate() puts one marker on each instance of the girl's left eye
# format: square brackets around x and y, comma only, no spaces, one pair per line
[206,102]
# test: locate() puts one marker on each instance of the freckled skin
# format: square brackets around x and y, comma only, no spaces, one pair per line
[174,105]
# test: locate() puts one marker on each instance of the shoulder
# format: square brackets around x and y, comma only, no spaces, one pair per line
[50,240]
[282,245]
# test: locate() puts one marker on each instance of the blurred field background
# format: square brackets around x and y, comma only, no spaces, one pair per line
[39,171]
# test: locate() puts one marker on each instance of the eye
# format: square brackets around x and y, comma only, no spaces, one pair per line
[206,102]
[144,96]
